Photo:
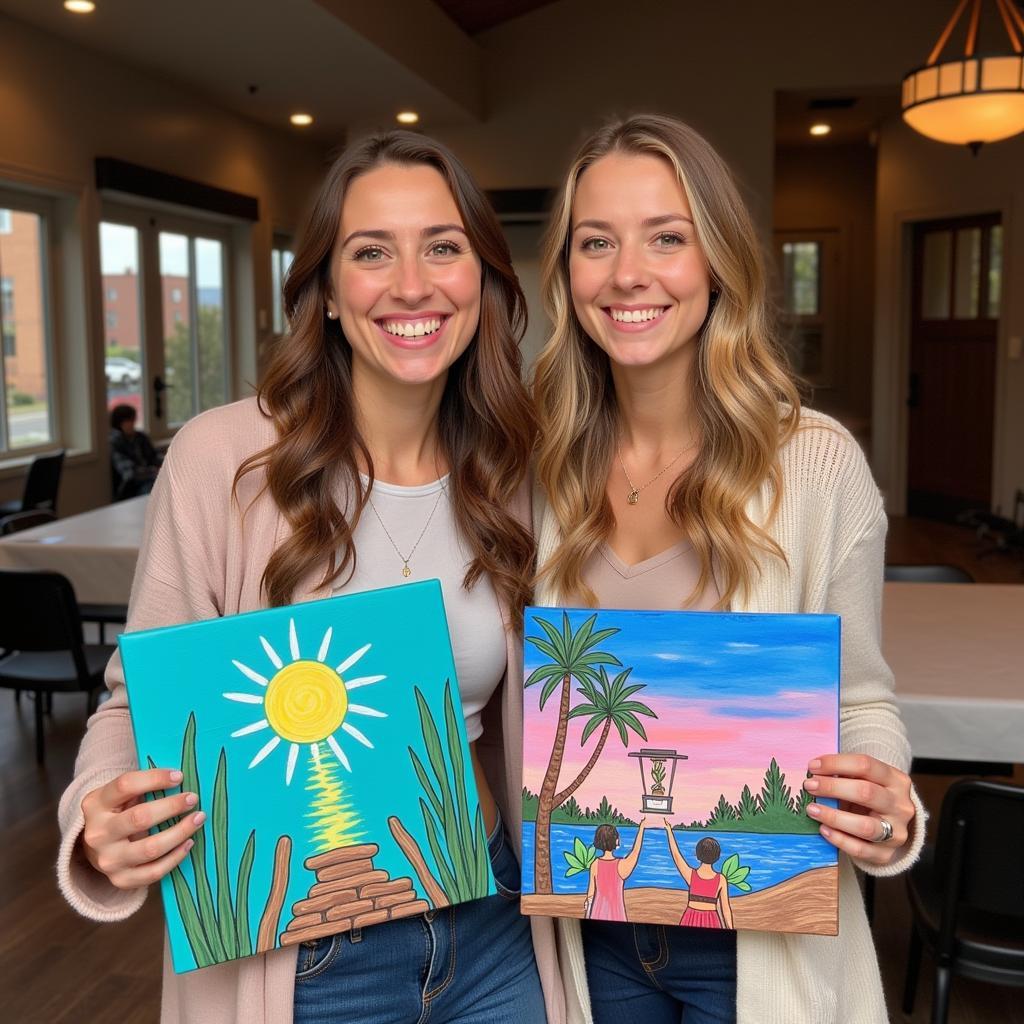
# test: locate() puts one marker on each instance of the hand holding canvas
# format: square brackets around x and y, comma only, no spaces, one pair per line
[869,792]
[118,818]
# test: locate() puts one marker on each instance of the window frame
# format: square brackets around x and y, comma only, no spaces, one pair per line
[24,201]
[827,318]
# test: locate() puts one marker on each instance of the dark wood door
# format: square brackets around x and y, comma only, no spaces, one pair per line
[957,274]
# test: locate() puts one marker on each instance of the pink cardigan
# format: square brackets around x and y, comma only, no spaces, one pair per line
[200,559]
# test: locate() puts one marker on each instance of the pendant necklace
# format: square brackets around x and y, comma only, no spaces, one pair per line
[634,492]
[406,571]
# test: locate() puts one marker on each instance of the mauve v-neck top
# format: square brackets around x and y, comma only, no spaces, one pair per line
[661,583]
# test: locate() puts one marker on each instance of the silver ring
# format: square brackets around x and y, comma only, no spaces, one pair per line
[886,832]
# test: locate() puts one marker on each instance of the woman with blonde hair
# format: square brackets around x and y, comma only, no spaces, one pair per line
[389,442]
[681,471]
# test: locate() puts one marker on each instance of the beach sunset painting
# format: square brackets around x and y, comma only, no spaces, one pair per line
[664,756]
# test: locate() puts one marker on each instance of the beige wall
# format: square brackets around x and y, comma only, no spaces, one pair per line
[832,188]
[922,180]
[62,107]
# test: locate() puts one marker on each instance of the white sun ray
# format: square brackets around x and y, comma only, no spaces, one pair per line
[356,734]
[362,709]
[354,684]
[325,644]
[255,727]
[293,756]
[244,698]
[351,660]
[339,753]
[264,751]
[249,673]
[293,640]
[274,657]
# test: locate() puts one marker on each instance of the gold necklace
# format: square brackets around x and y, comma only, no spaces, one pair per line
[406,571]
[634,492]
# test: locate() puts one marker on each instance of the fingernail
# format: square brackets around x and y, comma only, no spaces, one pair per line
[176,776]
[189,843]
[199,818]
[191,799]
[814,810]
[826,831]
[814,765]
[811,784]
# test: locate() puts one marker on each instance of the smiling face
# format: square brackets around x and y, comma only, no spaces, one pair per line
[405,283]
[639,279]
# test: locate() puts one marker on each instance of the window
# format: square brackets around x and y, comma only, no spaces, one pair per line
[26,401]
[806,261]
[7,314]
[192,268]
[281,258]
[119,265]
[961,272]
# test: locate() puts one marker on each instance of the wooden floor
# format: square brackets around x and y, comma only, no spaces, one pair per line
[58,968]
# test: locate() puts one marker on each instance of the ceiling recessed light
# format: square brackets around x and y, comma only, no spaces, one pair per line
[79,6]
[407,117]
[820,129]
[301,120]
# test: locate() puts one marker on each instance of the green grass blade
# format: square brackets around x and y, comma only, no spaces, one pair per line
[242,896]
[204,895]
[435,755]
[446,879]
[190,920]
[421,774]
[482,856]
[464,834]
[219,819]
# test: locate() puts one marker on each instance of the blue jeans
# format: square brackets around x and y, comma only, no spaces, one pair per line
[468,964]
[653,974]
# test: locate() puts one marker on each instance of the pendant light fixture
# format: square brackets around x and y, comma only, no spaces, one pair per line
[974,98]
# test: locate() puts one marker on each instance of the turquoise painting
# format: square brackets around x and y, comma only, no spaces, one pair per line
[326,743]
[663,765]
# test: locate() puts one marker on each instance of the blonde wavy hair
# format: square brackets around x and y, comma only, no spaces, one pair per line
[744,397]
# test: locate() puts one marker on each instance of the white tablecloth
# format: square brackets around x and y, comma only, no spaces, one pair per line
[96,550]
[957,651]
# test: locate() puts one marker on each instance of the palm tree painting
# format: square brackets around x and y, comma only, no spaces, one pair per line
[573,656]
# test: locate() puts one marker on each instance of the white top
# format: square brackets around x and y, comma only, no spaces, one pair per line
[831,526]
[474,620]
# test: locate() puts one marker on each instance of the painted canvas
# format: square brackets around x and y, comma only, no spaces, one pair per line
[327,745]
[664,756]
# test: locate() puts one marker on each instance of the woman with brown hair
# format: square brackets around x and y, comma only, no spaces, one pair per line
[389,442]
[605,897]
[681,471]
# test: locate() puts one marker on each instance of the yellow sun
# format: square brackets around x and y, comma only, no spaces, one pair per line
[306,701]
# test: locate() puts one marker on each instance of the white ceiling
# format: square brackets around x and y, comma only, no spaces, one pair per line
[299,56]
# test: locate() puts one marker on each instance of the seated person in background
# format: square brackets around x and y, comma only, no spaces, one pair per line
[134,462]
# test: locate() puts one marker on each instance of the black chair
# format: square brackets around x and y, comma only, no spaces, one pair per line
[17,521]
[42,629]
[927,574]
[967,893]
[41,485]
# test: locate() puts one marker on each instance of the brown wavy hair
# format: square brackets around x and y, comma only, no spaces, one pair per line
[746,402]
[486,426]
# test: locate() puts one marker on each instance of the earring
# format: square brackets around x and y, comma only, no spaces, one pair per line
[330,315]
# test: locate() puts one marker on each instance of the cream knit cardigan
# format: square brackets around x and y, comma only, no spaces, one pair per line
[831,526]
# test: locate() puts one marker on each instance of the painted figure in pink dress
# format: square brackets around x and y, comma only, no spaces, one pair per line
[708,903]
[608,874]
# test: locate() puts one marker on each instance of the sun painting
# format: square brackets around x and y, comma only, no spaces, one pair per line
[305,702]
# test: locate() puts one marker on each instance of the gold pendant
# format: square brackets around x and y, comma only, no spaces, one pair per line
[406,571]
[634,497]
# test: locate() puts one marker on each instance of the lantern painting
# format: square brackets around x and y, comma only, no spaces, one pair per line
[656,799]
